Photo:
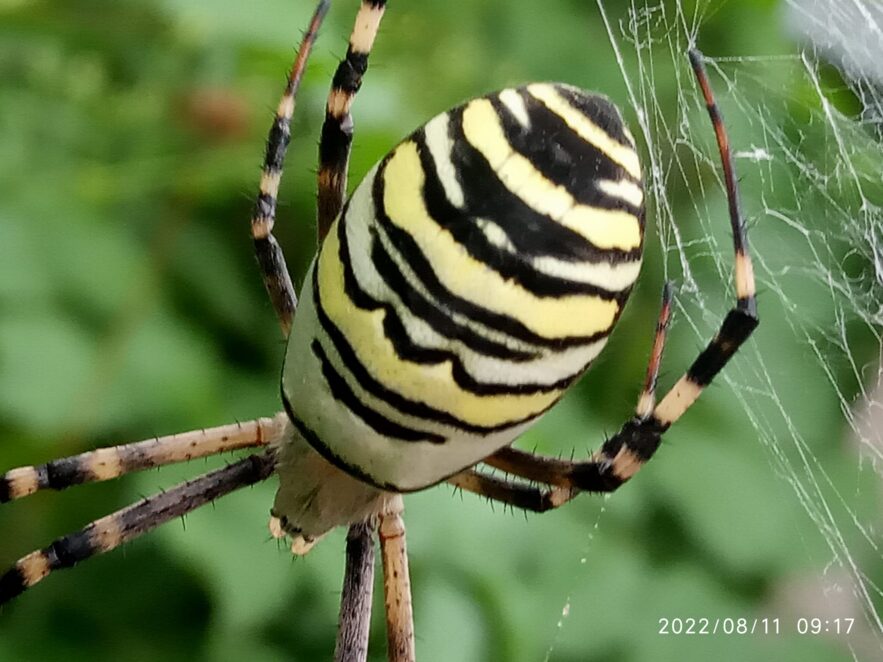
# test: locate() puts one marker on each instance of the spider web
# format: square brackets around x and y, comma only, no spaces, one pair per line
[805,127]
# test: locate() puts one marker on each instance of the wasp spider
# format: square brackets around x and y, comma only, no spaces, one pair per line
[471,278]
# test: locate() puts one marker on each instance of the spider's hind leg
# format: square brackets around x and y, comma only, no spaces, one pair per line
[518,495]
[396,584]
[557,484]
[741,321]
[358,591]
[120,527]
[115,461]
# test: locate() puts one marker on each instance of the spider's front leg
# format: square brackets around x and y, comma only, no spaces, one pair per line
[621,456]
[337,129]
[269,254]
[334,151]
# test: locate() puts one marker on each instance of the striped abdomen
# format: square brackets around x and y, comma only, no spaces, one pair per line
[472,276]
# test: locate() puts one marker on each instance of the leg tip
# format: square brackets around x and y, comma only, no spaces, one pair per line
[275,526]
[301,545]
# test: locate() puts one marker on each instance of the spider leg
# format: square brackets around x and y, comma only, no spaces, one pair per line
[648,395]
[396,585]
[621,456]
[518,495]
[334,151]
[337,130]
[115,461]
[552,471]
[120,527]
[741,321]
[269,254]
[358,591]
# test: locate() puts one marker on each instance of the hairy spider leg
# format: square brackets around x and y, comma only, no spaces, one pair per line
[551,471]
[396,585]
[113,530]
[337,129]
[115,461]
[269,254]
[357,595]
[124,525]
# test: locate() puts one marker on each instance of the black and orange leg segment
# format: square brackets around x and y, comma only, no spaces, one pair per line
[741,321]
[647,399]
[565,479]
[115,461]
[111,531]
[337,130]
[269,254]
[518,495]
[621,456]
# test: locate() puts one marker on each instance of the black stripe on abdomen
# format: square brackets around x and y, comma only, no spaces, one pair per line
[463,226]
[562,156]
[341,392]
[376,389]
[319,445]
[599,110]
[410,252]
[531,233]
[416,303]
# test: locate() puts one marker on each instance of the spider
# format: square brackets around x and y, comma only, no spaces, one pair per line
[470,278]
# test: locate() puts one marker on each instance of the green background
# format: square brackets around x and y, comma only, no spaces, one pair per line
[131,134]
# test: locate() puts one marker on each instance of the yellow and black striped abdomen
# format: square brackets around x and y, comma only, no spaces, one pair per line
[472,276]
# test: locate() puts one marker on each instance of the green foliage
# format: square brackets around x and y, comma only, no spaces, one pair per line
[130,305]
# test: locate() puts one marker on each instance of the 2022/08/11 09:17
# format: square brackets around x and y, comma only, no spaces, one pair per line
[752,625]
